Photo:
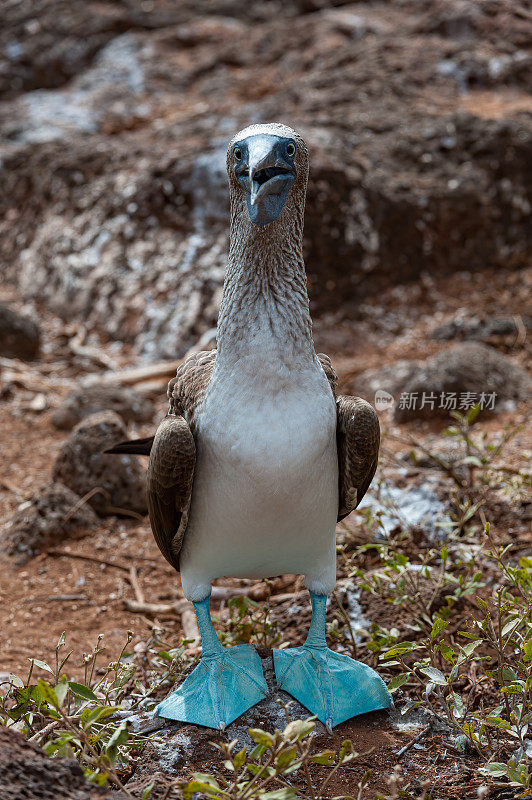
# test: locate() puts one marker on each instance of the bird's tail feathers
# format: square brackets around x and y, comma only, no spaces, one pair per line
[134,447]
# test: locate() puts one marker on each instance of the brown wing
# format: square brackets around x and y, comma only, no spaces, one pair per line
[358,439]
[173,456]
[169,484]
[328,369]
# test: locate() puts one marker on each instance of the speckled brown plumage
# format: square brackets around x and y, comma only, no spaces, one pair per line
[173,456]
[188,387]
[328,369]
[357,441]
[169,484]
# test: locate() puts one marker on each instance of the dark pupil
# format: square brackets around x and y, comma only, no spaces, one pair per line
[238,154]
[291,149]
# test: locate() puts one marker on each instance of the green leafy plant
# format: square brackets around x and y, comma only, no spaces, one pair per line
[480,681]
[80,719]
[474,466]
[435,581]
[75,719]
[249,621]
[266,772]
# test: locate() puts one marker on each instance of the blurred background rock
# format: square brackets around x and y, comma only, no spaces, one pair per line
[116,115]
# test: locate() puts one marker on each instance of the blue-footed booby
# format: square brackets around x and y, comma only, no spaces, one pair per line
[258,456]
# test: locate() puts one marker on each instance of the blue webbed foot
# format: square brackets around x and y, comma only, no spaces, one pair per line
[218,690]
[226,682]
[332,686]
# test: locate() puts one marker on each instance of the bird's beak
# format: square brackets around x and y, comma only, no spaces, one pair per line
[267,170]
[266,173]
[254,188]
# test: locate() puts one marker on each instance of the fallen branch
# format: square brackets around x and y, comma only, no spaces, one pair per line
[44,731]
[129,377]
[124,512]
[135,585]
[143,607]
[155,387]
[11,487]
[85,499]
[78,348]
[83,557]
[259,591]
[282,598]
[413,741]
[226,592]
[67,597]
[521,331]
[181,608]
[345,615]
[189,623]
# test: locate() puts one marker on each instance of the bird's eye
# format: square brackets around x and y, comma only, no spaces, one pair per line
[290,149]
[237,153]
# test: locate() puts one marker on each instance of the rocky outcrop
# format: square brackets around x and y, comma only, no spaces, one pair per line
[44,44]
[493,330]
[455,379]
[86,400]
[114,205]
[27,773]
[117,483]
[53,514]
[19,335]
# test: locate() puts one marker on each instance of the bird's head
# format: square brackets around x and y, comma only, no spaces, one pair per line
[268,167]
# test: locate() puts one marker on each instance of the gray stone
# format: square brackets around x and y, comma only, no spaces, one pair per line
[84,467]
[19,335]
[467,367]
[47,519]
[388,378]
[481,330]
[87,400]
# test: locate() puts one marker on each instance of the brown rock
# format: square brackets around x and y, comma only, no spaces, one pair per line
[467,367]
[27,773]
[41,522]
[463,368]
[490,331]
[19,335]
[81,403]
[125,226]
[83,466]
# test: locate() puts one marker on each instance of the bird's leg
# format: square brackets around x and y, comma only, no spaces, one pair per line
[226,682]
[331,685]
[316,632]
[210,644]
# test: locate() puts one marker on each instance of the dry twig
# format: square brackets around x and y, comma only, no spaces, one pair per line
[413,741]
[83,557]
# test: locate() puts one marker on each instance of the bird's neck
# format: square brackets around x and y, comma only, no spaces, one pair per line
[265,303]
